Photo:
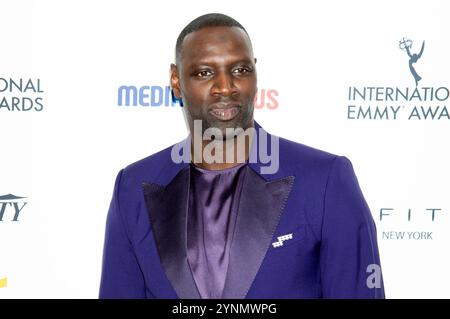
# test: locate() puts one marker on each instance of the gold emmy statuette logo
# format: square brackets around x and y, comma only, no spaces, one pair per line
[3,282]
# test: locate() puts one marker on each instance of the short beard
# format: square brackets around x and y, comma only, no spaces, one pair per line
[226,128]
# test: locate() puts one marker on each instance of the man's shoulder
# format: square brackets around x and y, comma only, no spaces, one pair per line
[149,168]
[313,164]
[154,160]
[297,154]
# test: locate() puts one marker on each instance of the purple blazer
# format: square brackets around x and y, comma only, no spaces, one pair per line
[314,199]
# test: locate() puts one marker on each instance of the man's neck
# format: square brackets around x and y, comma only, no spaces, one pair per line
[222,154]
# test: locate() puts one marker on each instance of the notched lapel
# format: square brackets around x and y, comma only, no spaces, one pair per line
[260,209]
[167,208]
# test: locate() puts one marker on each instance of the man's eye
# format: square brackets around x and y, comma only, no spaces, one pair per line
[203,73]
[241,70]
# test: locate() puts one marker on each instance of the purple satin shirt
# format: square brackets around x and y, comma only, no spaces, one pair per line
[213,202]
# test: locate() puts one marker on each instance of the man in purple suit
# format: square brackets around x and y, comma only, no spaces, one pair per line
[232,211]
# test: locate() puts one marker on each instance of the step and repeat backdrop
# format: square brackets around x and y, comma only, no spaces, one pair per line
[366,79]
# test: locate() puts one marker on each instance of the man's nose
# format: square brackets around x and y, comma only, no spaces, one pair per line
[224,85]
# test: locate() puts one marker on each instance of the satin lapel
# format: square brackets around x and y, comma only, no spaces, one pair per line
[167,208]
[261,205]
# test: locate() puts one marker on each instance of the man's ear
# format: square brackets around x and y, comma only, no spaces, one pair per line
[175,81]
[255,60]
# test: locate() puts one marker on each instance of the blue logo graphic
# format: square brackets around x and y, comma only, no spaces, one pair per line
[405,44]
[147,96]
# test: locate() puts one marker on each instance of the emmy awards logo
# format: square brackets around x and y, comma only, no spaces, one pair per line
[405,44]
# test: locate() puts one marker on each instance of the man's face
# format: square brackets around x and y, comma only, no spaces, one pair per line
[216,78]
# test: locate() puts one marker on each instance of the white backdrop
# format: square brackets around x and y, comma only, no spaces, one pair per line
[64,158]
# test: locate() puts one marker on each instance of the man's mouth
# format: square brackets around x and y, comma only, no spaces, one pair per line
[224,112]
